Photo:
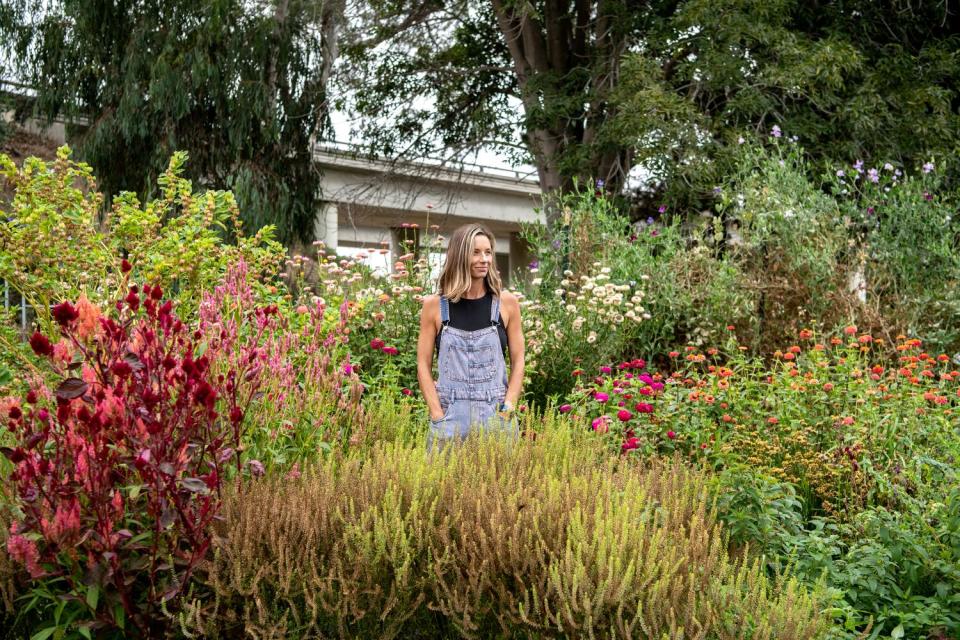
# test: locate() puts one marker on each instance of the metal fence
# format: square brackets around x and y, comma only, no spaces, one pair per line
[11,299]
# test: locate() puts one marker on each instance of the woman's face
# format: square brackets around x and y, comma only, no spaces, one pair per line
[481,259]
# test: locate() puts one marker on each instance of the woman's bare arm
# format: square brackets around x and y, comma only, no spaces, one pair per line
[426,343]
[510,312]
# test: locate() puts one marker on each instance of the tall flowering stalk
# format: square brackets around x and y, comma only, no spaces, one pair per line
[118,470]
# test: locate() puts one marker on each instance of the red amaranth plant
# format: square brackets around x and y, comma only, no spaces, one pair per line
[118,471]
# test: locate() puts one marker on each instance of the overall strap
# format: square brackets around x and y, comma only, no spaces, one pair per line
[495,311]
[444,311]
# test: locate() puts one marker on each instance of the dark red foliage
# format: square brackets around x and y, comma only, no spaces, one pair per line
[122,483]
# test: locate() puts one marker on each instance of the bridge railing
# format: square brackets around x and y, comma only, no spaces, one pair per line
[357,150]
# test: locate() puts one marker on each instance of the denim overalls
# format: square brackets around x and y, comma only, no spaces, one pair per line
[472,378]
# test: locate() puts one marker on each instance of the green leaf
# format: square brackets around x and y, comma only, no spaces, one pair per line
[897,632]
[43,634]
[93,597]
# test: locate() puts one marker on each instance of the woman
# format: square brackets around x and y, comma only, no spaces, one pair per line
[471,324]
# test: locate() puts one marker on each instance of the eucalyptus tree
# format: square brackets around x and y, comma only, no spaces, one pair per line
[241,85]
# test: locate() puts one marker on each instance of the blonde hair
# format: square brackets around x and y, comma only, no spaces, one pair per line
[455,278]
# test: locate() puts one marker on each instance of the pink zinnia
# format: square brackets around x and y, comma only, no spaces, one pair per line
[566,408]
[376,344]
[672,435]
[630,444]
[601,424]
[390,351]
[624,415]
[600,396]
[643,407]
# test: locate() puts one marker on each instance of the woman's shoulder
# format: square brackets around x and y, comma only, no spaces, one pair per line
[431,301]
[508,298]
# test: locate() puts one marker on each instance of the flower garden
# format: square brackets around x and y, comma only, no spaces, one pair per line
[207,437]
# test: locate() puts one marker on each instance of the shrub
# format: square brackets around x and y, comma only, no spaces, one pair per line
[527,538]
[118,471]
[58,244]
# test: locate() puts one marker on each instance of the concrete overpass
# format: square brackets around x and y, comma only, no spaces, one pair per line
[369,202]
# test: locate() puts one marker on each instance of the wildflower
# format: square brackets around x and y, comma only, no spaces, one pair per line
[740,140]
[600,183]
[927,167]
[643,407]
[717,190]
[773,420]
[851,330]
[726,417]
[347,369]
[775,132]
[840,173]
[592,337]
[806,334]
[256,468]
[674,354]
[858,166]
[828,386]
[672,435]
[600,396]
[623,415]
[566,408]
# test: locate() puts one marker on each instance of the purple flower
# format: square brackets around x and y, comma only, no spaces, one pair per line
[927,196]
[649,219]
[927,167]
[874,176]
[775,132]
[566,408]
[717,191]
[858,166]
[887,166]
[662,208]
[654,233]
[840,173]
[600,183]
[534,264]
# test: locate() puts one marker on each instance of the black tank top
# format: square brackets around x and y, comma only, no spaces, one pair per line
[470,315]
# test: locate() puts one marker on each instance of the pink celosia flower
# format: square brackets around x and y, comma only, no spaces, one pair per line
[25,552]
[40,344]
[88,318]
[64,313]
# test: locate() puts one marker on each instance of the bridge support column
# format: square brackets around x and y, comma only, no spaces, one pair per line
[403,240]
[519,257]
[327,224]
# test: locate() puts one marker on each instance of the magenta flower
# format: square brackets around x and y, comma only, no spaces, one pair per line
[775,132]
[377,344]
[391,351]
[629,444]
[406,392]
[623,415]
[601,424]
[643,407]
[672,435]
[927,167]
[600,396]
[566,408]
[606,369]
